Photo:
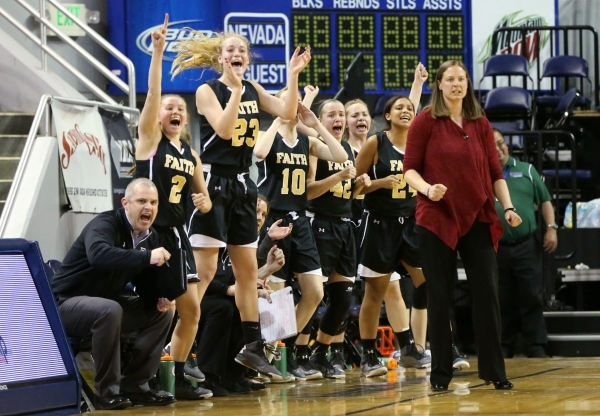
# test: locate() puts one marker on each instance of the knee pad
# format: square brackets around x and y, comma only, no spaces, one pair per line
[420,297]
[340,298]
[342,328]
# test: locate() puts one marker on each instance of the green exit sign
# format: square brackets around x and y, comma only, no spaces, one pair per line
[65,24]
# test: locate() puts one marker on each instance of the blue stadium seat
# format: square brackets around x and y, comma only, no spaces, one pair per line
[506,65]
[509,104]
[567,67]
[563,109]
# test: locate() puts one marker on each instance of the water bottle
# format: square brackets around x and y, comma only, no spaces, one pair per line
[166,371]
[280,360]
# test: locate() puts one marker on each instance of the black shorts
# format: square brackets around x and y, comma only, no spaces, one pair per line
[232,219]
[385,242]
[336,246]
[174,238]
[299,248]
[358,231]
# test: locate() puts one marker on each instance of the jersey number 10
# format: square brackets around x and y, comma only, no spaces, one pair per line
[298,182]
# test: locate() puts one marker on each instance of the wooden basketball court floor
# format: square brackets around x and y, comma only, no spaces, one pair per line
[557,386]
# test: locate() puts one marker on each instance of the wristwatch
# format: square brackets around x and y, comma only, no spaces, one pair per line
[553,225]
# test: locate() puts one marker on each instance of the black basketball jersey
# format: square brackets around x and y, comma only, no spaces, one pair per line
[400,201]
[337,201]
[282,175]
[235,155]
[357,202]
[171,171]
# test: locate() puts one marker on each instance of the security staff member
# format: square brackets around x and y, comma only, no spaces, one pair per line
[520,284]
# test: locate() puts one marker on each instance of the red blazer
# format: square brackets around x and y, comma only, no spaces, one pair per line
[465,160]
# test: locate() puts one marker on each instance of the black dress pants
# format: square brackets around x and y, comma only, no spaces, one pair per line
[439,267]
[521,293]
[219,337]
[105,320]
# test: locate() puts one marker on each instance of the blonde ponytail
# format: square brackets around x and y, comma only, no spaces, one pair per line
[201,51]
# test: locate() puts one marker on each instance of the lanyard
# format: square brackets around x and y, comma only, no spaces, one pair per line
[507,171]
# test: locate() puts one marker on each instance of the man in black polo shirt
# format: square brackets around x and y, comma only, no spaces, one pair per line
[112,250]
[520,283]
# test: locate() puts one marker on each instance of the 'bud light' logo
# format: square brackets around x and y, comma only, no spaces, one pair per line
[511,42]
[176,32]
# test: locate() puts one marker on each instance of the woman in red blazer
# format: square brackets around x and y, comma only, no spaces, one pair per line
[451,160]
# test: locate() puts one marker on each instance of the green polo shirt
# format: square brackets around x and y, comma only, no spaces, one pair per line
[526,192]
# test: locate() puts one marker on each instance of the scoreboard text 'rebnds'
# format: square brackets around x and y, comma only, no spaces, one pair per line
[392,43]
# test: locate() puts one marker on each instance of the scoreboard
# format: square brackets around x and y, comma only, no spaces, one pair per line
[392,43]
[393,35]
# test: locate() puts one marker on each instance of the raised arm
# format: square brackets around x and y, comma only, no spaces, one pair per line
[329,148]
[310,93]
[421,76]
[274,105]
[223,121]
[148,127]
[265,139]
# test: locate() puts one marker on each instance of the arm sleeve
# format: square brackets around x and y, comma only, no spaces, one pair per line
[490,149]
[541,192]
[101,251]
[263,250]
[418,137]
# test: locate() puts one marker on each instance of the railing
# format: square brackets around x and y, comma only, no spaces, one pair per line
[555,30]
[45,24]
[554,135]
[536,154]
[43,114]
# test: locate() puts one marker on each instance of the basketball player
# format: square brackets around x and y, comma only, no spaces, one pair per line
[390,206]
[176,171]
[358,121]
[229,125]
[282,179]
[331,188]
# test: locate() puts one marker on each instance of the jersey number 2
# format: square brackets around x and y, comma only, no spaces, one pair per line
[178,182]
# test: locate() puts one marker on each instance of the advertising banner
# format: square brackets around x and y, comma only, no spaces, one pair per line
[488,16]
[84,157]
[122,151]
[131,27]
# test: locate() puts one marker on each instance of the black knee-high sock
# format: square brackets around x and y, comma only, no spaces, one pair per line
[368,345]
[337,346]
[179,370]
[251,332]
[404,338]
[320,347]
[302,350]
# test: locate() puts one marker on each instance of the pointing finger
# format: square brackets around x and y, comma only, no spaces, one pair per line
[166,24]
